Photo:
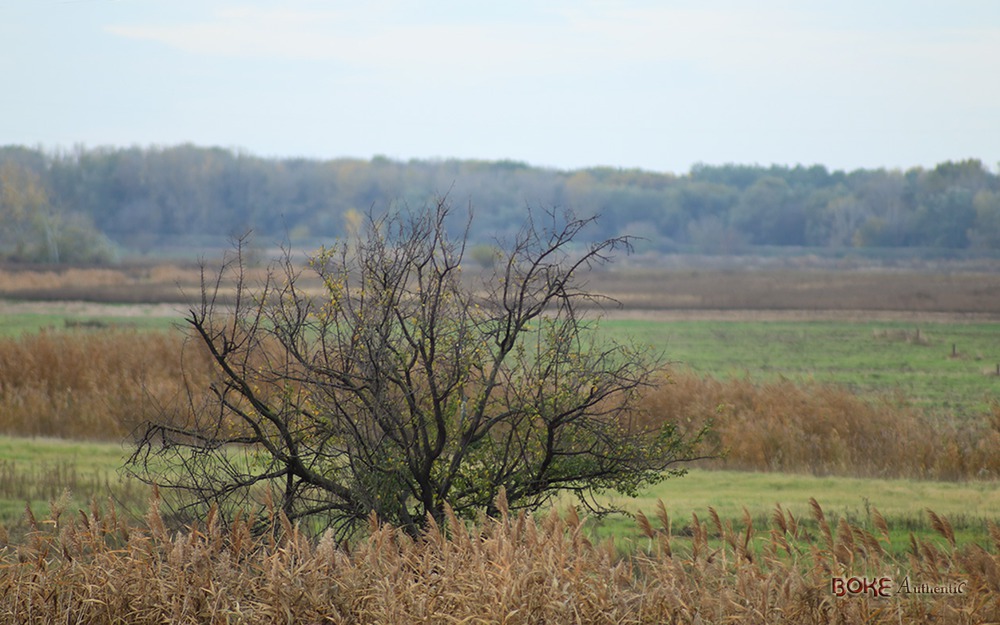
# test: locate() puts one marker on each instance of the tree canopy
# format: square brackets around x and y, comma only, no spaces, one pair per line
[399,388]
[144,198]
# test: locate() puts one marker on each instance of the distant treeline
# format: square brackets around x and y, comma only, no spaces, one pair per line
[83,204]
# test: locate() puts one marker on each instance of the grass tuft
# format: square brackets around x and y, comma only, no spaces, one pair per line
[96,569]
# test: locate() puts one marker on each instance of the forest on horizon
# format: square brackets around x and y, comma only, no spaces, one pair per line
[96,205]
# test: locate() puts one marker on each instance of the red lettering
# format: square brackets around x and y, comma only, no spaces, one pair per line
[877,586]
[837,586]
[884,587]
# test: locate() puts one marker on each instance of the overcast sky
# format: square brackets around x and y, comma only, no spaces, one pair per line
[656,85]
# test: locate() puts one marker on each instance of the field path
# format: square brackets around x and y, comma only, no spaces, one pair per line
[694,314]
[942,296]
[91,309]
[77,308]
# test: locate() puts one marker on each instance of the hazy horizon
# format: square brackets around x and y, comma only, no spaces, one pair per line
[566,85]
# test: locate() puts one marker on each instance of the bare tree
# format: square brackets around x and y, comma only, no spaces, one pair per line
[400,386]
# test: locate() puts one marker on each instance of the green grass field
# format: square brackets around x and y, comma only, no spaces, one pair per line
[869,358]
[948,367]
[37,471]
[41,470]
[17,324]
[904,503]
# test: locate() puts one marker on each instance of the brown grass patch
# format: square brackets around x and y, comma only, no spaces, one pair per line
[826,430]
[100,384]
[95,384]
[130,283]
[904,292]
[91,567]
[820,292]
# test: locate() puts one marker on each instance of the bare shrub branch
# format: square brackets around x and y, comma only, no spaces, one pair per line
[398,387]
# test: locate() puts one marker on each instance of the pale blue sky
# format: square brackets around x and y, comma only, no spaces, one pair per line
[656,85]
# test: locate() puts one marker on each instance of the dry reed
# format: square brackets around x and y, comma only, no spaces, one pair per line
[89,566]
[100,384]
[826,430]
[94,385]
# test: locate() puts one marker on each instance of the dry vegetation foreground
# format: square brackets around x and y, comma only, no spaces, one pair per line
[92,568]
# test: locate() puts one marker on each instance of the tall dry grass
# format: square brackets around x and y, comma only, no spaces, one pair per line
[93,385]
[99,384]
[91,567]
[826,430]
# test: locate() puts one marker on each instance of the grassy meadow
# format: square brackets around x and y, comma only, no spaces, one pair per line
[18,318]
[38,471]
[947,368]
[839,433]
[903,503]
[14,325]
